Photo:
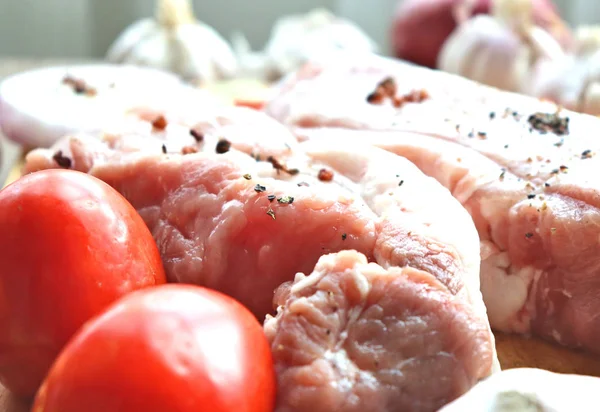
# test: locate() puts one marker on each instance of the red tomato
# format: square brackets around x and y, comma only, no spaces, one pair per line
[176,348]
[70,245]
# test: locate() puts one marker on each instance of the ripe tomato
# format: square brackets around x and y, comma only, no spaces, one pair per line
[176,348]
[69,246]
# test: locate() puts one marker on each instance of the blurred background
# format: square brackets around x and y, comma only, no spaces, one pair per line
[86,28]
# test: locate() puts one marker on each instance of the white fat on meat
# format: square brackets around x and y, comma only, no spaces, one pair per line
[524,170]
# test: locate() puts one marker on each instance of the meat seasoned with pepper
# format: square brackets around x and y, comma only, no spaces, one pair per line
[236,223]
[353,336]
[540,270]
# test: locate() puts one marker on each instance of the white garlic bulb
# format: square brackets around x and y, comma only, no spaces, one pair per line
[175,41]
[572,82]
[499,49]
[316,36]
[587,40]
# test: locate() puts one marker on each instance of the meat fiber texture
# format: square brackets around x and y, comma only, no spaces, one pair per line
[530,390]
[353,336]
[247,221]
[524,169]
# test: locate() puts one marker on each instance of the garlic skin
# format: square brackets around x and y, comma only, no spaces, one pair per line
[587,40]
[317,36]
[498,50]
[572,82]
[175,41]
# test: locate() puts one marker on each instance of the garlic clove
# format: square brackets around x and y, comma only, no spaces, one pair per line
[130,38]
[221,63]
[316,36]
[175,41]
[486,51]
[587,40]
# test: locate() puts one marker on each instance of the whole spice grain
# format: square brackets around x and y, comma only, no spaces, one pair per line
[247,176]
[549,122]
[197,135]
[288,200]
[325,175]
[79,86]
[159,123]
[188,150]
[586,154]
[388,86]
[278,166]
[259,188]
[528,235]
[223,146]
[415,96]
[164,149]
[61,160]
[375,98]
[271,198]
[344,236]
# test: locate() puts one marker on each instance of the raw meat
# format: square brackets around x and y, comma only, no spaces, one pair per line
[353,336]
[524,169]
[527,390]
[217,225]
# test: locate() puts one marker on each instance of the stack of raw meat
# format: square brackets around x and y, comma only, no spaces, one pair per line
[366,219]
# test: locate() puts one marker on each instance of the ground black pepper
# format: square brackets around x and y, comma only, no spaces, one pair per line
[549,122]
[61,160]
[223,146]
[197,135]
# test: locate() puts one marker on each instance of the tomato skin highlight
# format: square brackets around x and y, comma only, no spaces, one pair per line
[177,348]
[70,245]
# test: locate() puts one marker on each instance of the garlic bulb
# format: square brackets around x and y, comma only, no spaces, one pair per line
[175,41]
[572,82]
[316,36]
[498,50]
[587,40]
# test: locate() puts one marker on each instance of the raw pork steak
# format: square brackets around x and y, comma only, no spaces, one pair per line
[355,337]
[244,227]
[525,170]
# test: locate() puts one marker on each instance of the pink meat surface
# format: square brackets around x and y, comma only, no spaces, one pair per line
[353,336]
[525,170]
[228,221]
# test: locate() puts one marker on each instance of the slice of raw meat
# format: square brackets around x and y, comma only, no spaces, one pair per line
[402,223]
[523,169]
[354,336]
[525,390]
[246,216]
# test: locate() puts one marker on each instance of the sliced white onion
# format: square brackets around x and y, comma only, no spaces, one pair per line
[37,107]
